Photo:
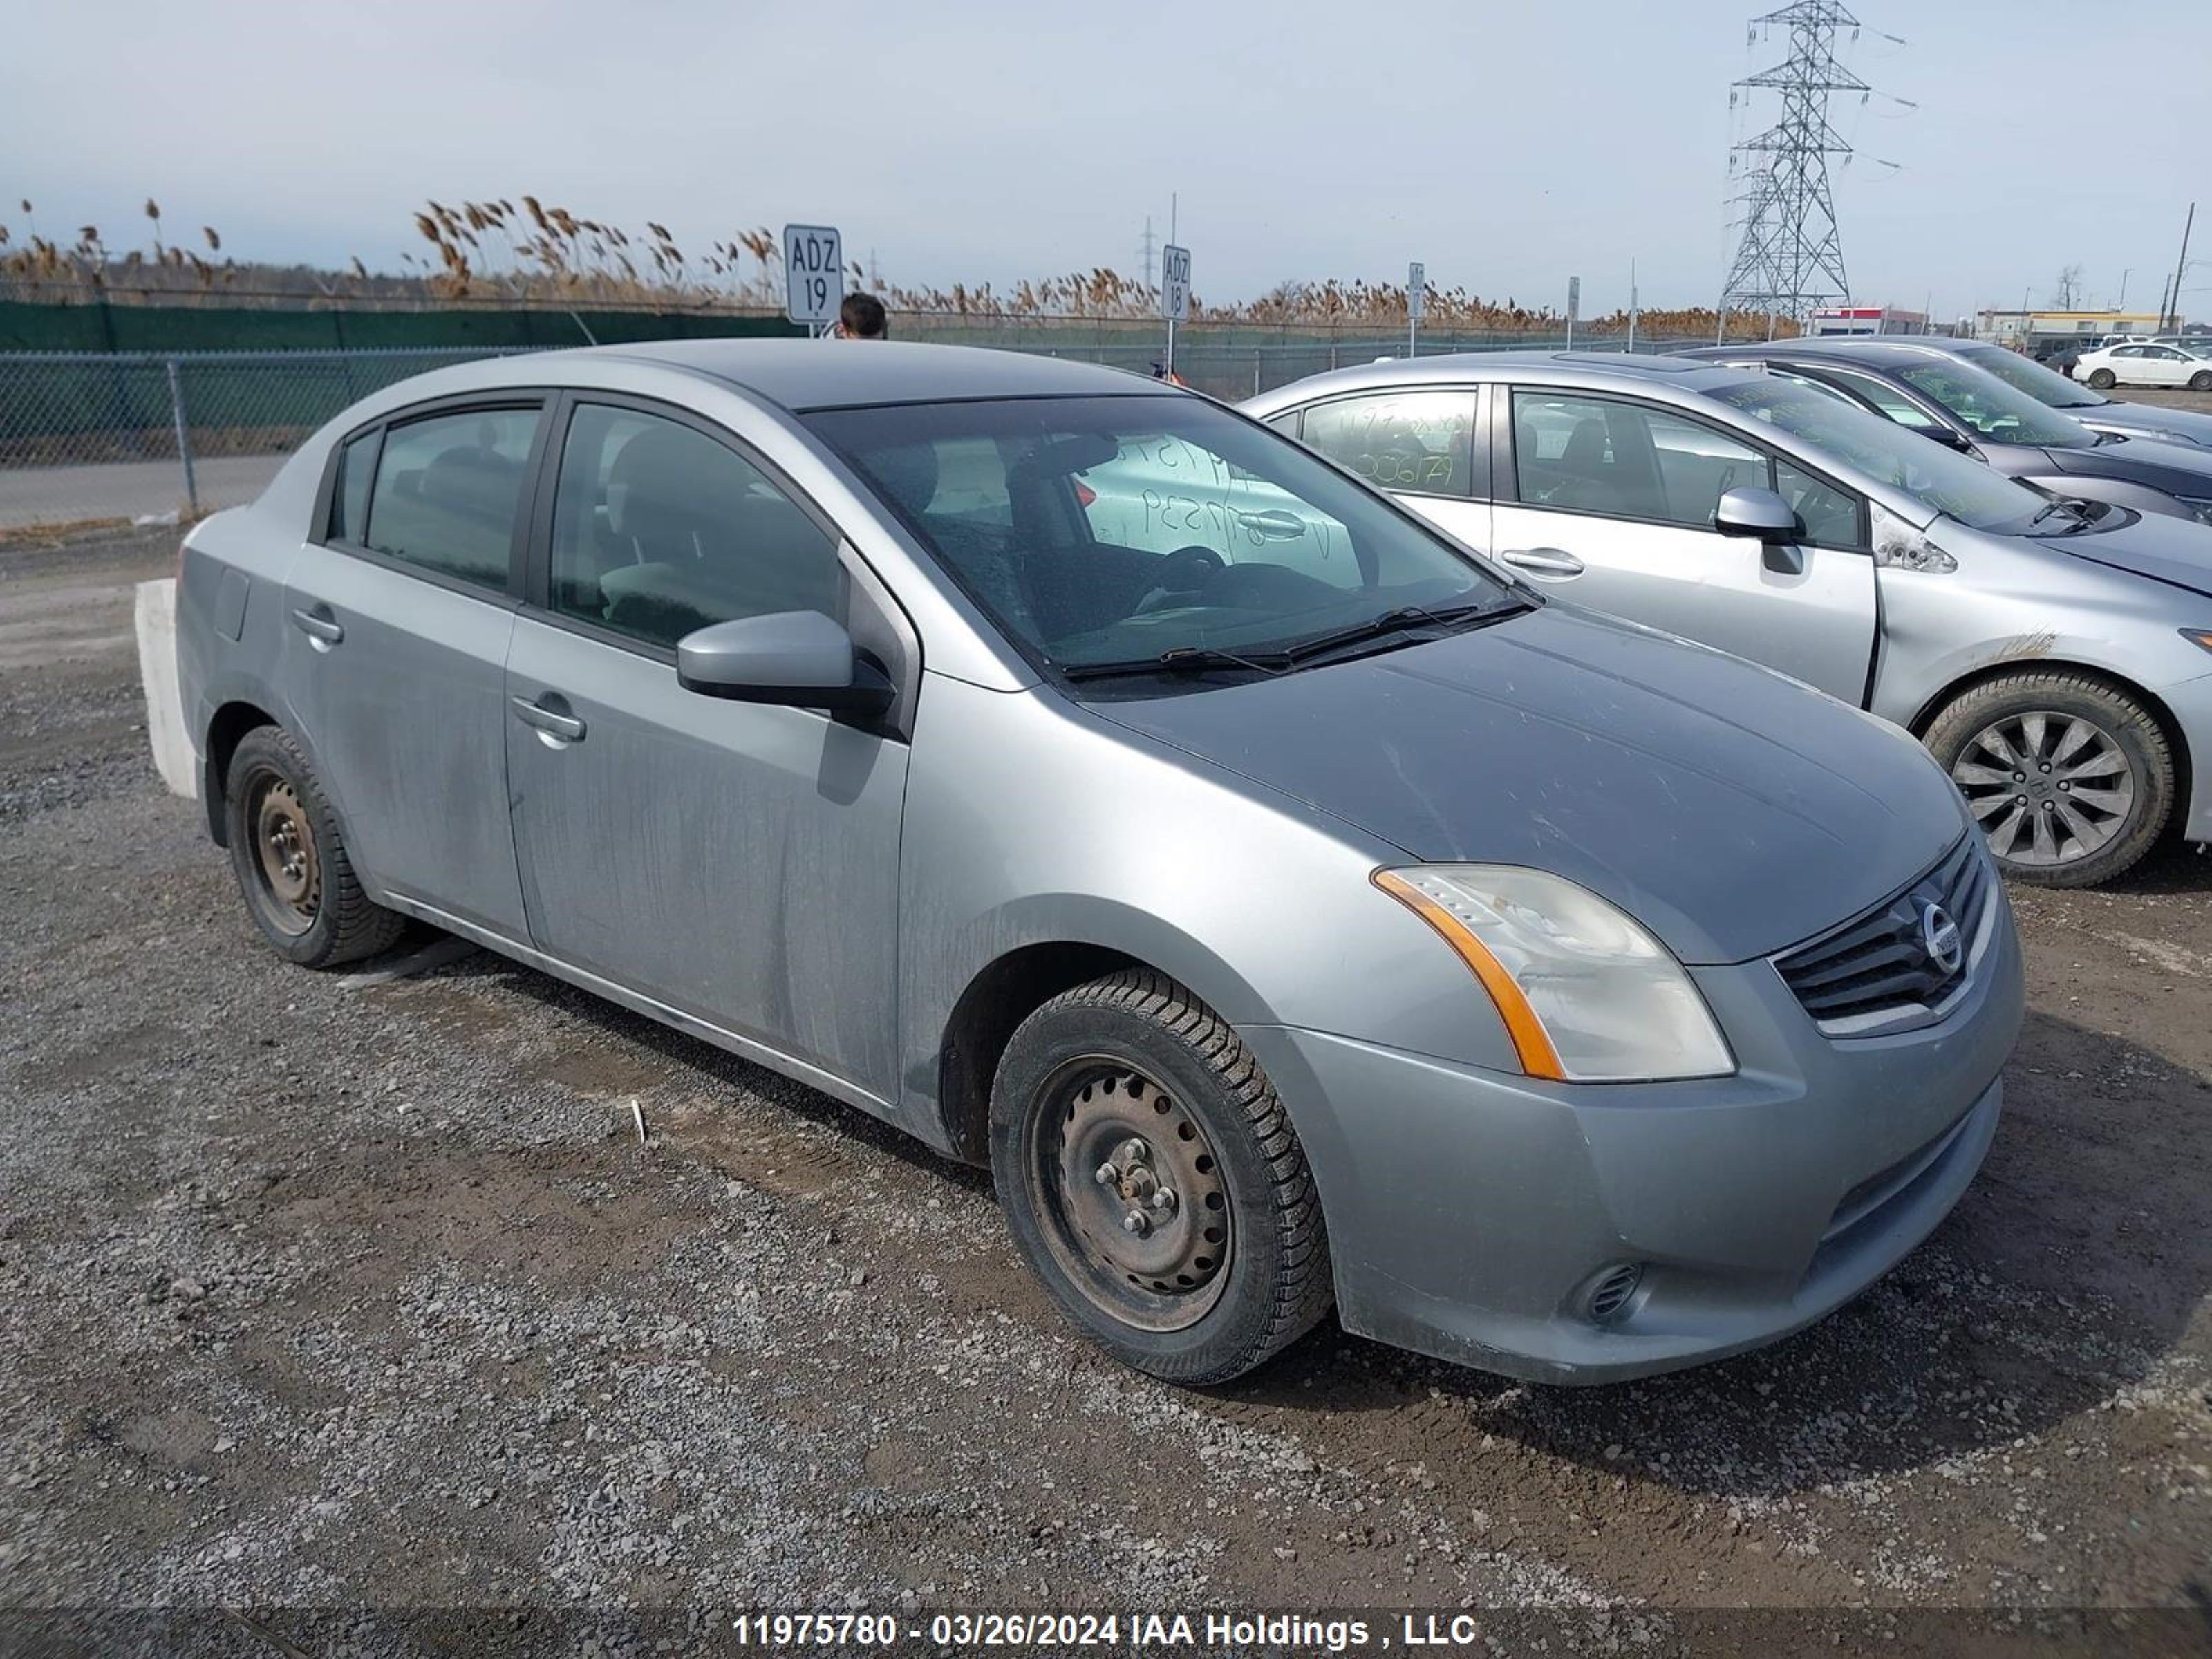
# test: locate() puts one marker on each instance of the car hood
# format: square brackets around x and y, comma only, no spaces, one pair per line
[2178,469]
[1731,811]
[2169,549]
[2147,419]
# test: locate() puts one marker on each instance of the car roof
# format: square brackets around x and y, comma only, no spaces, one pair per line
[1890,351]
[807,374]
[1618,369]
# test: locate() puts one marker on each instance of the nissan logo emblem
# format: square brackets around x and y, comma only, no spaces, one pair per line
[1939,937]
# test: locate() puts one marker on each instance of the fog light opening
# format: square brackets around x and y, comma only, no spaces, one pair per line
[1612,1292]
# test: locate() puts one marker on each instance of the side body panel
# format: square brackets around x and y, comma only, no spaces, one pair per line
[2011,603]
[230,624]
[1816,625]
[1029,821]
[735,860]
[405,714]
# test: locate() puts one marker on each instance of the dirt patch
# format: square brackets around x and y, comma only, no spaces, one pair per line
[322,1296]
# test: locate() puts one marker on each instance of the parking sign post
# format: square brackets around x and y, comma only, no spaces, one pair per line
[1175,292]
[813,276]
[1417,281]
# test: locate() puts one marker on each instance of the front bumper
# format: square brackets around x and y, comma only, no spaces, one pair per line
[2191,704]
[1470,1212]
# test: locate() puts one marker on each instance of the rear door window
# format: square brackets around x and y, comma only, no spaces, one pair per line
[1413,442]
[446,490]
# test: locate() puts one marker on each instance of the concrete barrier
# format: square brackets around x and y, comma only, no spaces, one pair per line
[165,704]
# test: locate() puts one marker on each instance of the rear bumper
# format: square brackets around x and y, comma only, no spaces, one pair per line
[1470,1214]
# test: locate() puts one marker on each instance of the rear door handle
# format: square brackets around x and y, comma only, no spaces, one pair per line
[319,625]
[551,721]
[1544,562]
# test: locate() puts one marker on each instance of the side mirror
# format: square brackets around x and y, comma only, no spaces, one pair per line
[1950,439]
[797,658]
[1756,512]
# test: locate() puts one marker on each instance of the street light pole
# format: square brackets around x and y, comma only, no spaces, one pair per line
[2179,265]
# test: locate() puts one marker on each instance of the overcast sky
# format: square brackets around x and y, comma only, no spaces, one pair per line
[1505,145]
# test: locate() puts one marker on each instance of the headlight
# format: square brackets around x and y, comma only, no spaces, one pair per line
[1587,994]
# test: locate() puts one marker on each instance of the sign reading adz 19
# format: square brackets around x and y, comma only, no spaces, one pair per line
[813,273]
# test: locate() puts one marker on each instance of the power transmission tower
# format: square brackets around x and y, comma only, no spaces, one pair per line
[1148,253]
[1790,258]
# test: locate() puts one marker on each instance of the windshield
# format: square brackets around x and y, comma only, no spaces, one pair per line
[1944,482]
[1993,408]
[1124,530]
[2046,386]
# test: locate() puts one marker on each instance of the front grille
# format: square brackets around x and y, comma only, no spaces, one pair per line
[1875,972]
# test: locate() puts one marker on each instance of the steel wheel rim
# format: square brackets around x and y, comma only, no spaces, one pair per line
[2046,788]
[284,852]
[1109,1142]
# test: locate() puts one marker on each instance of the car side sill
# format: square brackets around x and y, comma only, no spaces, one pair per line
[799,1071]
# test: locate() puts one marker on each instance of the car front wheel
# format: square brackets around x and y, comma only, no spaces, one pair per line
[1152,1180]
[290,859]
[2201,380]
[2103,379]
[2070,778]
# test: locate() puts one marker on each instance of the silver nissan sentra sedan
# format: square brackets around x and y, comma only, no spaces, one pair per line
[1345,920]
[2055,654]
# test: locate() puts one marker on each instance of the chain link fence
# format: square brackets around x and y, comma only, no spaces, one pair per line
[101,438]
[90,439]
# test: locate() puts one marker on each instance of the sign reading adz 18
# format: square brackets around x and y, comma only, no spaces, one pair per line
[1175,284]
[813,273]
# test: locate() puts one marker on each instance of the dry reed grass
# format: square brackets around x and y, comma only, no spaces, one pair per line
[524,253]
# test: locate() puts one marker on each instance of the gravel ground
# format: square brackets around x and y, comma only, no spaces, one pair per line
[320,1295]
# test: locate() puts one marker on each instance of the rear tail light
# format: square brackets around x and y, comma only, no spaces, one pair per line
[1084,495]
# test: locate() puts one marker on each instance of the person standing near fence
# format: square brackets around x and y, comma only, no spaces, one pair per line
[861,318]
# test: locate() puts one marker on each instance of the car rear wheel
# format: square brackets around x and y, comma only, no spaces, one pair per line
[2103,379]
[1152,1180]
[2201,380]
[291,859]
[2070,779]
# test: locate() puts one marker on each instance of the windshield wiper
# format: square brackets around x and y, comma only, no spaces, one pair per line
[2083,520]
[1409,617]
[1275,660]
[1182,659]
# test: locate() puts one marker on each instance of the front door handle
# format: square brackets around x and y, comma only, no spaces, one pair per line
[1274,524]
[1544,562]
[319,625]
[551,721]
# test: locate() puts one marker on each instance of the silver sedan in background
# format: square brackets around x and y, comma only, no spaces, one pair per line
[2052,390]
[2055,657]
[1352,923]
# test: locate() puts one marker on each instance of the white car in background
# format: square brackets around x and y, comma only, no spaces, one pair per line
[2145,363]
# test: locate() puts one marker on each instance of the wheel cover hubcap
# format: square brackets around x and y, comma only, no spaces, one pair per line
[2046,788]
[284,848]
[1131,1194]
